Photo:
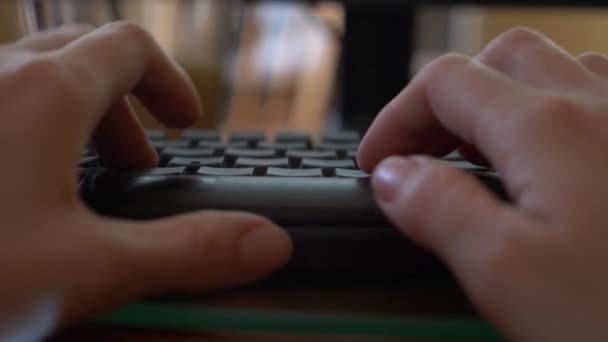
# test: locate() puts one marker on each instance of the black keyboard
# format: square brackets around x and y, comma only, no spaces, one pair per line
[312,188]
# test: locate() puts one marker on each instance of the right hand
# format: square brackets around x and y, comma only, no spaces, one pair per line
[537,268]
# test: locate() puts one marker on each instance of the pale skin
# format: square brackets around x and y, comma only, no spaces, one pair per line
[534,267]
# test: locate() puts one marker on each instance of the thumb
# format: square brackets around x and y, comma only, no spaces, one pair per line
[439,207]
[186,253]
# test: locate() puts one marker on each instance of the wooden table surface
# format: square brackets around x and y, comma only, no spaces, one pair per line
[417,297]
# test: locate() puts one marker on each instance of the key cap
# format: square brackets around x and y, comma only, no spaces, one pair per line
[171,152]
[308,163]
[340,147]
[89,161]
[281,147]
[453,156]
[280,172]
[87,171]
[348,173]
[224,171]
[155,134]
[250,153]
[160,171]
[182,161]
[312,154]
[344,136]
[87,151]
[252,138]
[162,144]
[465,165]
[220,147]
[293,136]
[196,134]
[351,154]
[187,152]
[261,163]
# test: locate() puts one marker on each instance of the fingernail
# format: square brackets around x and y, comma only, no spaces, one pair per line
[390,176]
[264,249]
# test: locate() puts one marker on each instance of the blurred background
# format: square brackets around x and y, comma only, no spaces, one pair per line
[285,65]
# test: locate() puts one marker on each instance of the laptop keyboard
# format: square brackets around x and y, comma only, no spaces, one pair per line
[312,187]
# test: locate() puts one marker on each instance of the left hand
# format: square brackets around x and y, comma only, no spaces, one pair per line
[59,261]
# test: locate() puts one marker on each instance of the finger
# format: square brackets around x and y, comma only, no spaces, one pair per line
[53,39]
[188,253]
[135,150]
[441,208]
[532,58]
[595,62]
[449,212]
[471,100]
[433,203]
[120,58]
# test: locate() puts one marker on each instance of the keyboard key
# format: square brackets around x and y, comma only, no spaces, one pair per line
[224,171]
[286,137]
[160,171]
[89,161]
[252,138]
[88,151]
[453,156]
[162,144]
[308,163]
[250,153]
[87,171]
[171,152]
[311,154]
[220,147]
[465,165]
[351,154]
[182,161]
[188,152]
[344,136]
[350,173]
[281,147]
[340,147]
[261,163]
[280,172]
[155,134]
[196,134]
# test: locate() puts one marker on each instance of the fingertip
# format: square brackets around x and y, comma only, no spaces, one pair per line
[389,177]
[368,155]
[364,162]
[264,249]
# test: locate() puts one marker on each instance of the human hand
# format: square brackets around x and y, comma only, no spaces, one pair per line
[57,90]
[536,268]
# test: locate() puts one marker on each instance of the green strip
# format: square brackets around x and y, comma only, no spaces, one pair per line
[189,318]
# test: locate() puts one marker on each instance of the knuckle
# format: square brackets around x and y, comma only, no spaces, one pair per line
[519,36]
[74,29]
[591,58]
[445,64]
[513,42]
[129,31]
[591,55]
